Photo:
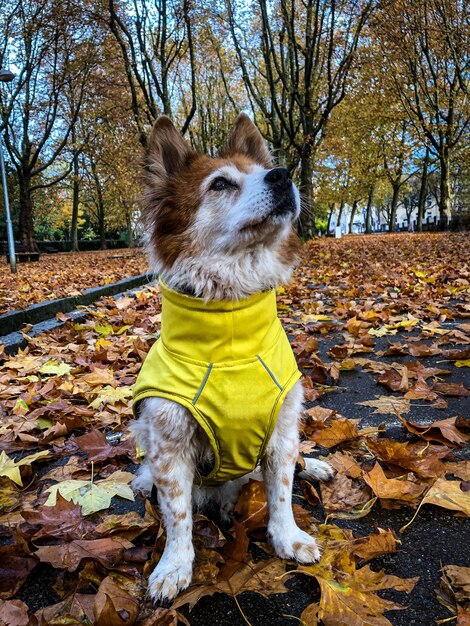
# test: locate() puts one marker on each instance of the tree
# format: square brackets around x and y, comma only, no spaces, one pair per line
[153,36]
[306,51]
[52,55]
[426,46]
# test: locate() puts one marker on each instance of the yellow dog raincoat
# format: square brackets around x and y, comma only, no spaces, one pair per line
[231,365]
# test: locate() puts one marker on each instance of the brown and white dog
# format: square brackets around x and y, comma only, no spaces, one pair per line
[219,229]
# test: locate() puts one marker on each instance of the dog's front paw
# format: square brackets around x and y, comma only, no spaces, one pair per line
[317,470]
[294,544]
[144,480]
[169,578]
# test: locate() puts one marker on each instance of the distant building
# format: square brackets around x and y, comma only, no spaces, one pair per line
[379,223]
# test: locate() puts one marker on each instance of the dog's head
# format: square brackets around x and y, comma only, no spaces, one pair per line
[202,208]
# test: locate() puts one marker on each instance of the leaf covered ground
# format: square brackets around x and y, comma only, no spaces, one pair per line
[65,274]
[380,329]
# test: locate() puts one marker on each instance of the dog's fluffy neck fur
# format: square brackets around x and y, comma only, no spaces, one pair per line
[222,277]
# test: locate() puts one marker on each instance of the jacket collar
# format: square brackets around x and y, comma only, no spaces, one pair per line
[218,331]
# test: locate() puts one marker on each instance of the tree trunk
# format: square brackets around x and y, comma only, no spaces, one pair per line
[101,227]
[130,234]
[100,209]
[445,197]
[330,215]
[393,208]
[423,192]
[75,206]
[26,224]
[306,188]
[340,213]
[353,214]
[370,201]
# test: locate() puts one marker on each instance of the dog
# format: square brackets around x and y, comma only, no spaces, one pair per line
[220,236]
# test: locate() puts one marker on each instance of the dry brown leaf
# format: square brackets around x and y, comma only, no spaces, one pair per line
[463,616]
[69,555]
[310,493]
[460,469]
[387,405]
[344,463]
[342,494]
[403,489]
[337,432]
[309,616]
[264,577]
[447,494]
[252,507]
[76,608]
[375,545]
[423,459]
[13,613]
[165,617]
[443,431]
[451,389]
[459,577]
[113,606]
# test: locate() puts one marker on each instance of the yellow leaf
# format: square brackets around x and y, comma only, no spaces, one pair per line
[55,369]
[380,332]
[10,468]
[111,395]
[447,494]
[310,317]
[102,343]
[91,496]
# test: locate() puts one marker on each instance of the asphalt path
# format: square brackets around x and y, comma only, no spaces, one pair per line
[437,537]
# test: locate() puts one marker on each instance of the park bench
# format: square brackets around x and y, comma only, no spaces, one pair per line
[51,249]
[22,253]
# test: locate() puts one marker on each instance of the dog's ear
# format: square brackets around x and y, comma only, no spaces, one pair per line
[246,139]
[167,151]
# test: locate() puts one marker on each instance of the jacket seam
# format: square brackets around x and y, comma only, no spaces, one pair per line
[203,384]
[269,371]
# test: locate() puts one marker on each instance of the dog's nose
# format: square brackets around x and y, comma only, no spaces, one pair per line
[279,177]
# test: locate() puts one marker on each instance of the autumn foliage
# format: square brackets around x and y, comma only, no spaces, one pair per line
[65,274]
[381,306]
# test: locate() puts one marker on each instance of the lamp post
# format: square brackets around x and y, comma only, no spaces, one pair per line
[6,77]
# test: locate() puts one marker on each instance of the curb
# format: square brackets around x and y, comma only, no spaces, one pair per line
[15,341]
[36,313]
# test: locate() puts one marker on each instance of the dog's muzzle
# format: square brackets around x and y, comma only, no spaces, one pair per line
[280,183]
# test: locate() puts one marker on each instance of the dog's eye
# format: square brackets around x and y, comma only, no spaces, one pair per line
[220,184]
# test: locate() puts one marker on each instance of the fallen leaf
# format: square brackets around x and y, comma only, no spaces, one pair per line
[344,463]
[64,520]
[336,432]
[423,459]
[114,606]
[252,507]
[93,496]
[13,613]
[403,490]
[69,555]
[443,431]
[15,567]
[451,389]
[10,468]
[342,494]
[460,469]
[98,448]
[447,494]
[387,405]
[375,545]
